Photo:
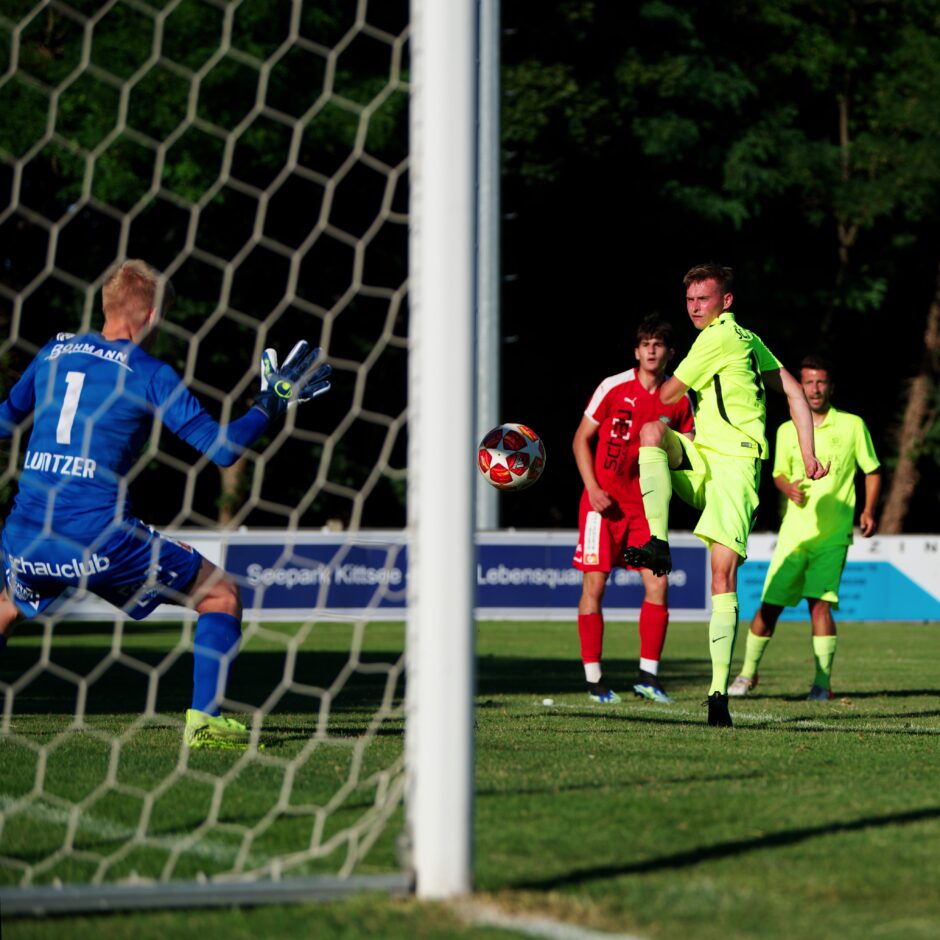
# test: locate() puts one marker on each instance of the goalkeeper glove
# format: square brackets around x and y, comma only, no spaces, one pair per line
[298,379]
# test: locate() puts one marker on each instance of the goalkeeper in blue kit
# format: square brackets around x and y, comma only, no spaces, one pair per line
[92,400]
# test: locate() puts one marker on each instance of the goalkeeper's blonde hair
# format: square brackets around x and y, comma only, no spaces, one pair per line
[132,288]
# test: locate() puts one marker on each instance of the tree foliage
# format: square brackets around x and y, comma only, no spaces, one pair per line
[258,149]
[796,141]
[255,150]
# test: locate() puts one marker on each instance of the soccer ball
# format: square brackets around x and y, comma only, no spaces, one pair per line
[511,457]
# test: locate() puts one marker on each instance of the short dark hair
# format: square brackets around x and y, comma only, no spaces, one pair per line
[819,362]
[653,326]
[722,275]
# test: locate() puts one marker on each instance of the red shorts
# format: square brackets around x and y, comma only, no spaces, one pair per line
[602,538]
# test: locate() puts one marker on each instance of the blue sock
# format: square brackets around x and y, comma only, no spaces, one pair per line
[215,645]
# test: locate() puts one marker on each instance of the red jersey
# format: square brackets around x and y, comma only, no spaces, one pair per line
[620,407]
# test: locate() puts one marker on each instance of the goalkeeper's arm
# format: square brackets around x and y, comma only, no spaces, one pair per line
[223,444]
[299,379]
[19,405]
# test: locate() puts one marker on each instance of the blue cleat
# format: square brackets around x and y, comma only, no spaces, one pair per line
[598,692]
[649,687]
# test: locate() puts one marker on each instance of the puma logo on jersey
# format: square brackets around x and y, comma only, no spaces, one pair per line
[631,401]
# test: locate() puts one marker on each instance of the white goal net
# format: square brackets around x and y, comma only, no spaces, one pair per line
[256,151]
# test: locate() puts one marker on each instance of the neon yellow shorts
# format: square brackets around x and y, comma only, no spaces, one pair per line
[724,488]
[807,570]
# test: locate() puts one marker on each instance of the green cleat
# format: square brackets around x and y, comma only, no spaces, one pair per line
[215,731]
[649,687]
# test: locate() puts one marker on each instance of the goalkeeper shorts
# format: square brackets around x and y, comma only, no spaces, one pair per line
[134,568]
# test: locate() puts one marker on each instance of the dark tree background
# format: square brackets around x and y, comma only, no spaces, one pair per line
[794,141]
[797,142]
[268,178]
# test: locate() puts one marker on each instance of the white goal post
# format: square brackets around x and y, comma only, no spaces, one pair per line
[113,126]
[440,647]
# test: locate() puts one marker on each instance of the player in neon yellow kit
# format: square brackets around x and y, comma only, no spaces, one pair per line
[816,530]
[718,473]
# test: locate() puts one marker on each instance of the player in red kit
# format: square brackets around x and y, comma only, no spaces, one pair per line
[606,447]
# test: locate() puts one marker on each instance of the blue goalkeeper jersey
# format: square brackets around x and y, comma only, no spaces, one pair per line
[93,404]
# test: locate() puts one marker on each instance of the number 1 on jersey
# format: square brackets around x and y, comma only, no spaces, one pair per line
[74,382]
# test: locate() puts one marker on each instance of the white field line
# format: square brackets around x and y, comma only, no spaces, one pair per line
[118,832]
[478,912]
[755,717]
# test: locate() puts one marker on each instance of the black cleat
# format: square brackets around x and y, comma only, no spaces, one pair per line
[653,555]
[718,714]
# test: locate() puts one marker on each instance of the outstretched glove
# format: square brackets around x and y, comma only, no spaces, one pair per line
[298,379]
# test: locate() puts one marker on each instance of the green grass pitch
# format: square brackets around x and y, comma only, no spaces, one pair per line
[805,819]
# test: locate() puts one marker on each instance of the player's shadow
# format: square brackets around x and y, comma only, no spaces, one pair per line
[551,785]
[796,697]
[832,720]
[81,665]
[732,849]
[529,675]
[887,693]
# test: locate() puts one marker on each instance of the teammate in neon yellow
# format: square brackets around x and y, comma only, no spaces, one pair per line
[718,473]
[816,530]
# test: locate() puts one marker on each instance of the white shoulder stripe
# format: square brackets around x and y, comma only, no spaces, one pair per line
[601,391]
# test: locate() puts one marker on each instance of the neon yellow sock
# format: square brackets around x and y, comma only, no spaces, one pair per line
[753,653]
[722,628]
[656,487]
[824,652]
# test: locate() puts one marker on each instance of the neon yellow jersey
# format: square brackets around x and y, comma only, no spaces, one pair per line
[724,368]
[829,510]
